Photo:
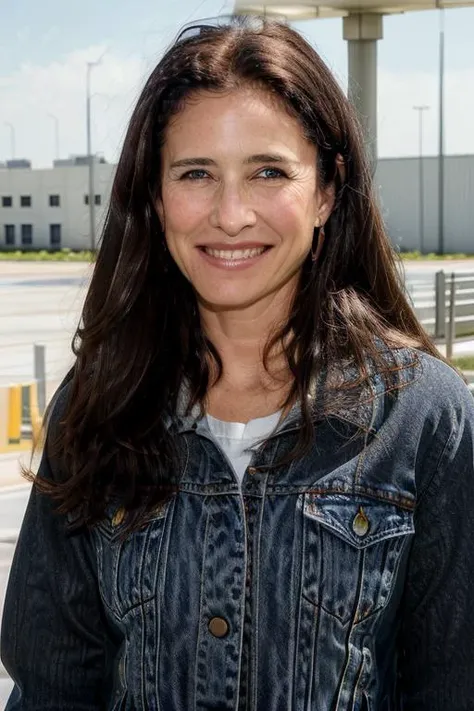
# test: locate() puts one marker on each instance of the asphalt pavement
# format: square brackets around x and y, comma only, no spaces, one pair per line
[13,501]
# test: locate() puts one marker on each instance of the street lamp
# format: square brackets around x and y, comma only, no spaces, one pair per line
[421,186]
[90,66]
[56,133]
[441,137]
[12,138]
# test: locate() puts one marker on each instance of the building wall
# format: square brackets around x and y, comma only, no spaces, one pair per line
[71,184]
[398,182]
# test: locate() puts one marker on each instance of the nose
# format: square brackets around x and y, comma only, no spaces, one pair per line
[231,211]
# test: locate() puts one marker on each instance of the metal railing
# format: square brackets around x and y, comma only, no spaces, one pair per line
[444,306]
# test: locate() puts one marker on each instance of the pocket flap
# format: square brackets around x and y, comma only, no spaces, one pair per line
[359,520]
[114,522]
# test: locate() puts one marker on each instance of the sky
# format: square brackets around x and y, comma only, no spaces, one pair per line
[44,48]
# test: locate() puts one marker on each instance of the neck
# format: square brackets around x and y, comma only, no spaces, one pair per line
[240,337]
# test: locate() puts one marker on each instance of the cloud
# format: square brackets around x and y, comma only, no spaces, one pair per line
[28,96]
[59,88]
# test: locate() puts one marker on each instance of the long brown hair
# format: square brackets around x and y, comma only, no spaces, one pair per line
[140,334]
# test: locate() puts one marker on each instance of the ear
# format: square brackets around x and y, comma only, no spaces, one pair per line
[325,206]
[341,168]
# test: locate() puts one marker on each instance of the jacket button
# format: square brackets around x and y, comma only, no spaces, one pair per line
[252,470]
[218,627]
[360,524]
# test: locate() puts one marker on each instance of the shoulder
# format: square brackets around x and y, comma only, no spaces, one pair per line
[405,386]
[430,385]
[429,421]
[422,392]
[422,418]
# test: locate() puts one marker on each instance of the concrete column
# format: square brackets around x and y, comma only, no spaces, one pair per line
[362,30]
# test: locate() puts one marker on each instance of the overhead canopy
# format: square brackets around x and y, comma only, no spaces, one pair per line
[339,8]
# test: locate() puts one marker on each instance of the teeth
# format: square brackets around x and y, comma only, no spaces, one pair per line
[236,254]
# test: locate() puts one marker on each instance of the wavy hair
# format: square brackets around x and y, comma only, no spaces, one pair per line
[140,336]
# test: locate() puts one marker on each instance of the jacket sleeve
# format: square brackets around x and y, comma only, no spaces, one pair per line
[54,639]
[437,634]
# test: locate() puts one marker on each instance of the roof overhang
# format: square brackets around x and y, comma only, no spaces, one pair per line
[294,11]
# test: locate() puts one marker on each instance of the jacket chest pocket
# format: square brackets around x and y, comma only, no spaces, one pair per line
[352,547]
[129,566]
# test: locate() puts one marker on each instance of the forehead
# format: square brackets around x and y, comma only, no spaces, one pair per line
[243,117]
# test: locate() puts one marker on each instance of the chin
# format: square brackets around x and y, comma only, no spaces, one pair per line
[226,302]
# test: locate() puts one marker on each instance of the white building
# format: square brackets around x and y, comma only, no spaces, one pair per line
[48,208]
[410,202]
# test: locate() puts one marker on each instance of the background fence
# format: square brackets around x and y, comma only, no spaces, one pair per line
[445,306]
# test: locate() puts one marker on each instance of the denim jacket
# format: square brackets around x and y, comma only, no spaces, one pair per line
[343,581]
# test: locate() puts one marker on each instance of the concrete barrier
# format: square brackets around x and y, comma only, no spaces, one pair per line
[10,416]
[14,414]
[4,415]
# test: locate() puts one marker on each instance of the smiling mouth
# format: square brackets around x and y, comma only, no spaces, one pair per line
[230,255]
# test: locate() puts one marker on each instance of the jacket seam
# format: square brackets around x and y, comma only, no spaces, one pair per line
[447,447]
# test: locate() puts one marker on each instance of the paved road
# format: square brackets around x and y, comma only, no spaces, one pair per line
[39,306]
[5,689]
[417,269]
[6,551]
[12,508]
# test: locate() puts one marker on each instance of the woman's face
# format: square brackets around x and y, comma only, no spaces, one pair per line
[240,197]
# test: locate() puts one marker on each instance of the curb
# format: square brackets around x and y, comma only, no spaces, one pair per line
[3,672]
[13,488]
[13,448]
[9,535]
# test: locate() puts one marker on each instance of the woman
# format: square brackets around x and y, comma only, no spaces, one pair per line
[262,467]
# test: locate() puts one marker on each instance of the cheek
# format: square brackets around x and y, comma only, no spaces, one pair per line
[292,220]
[182,213]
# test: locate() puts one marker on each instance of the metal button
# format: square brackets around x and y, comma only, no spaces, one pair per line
[252,470]
[361,523]
[218,627]
[118,517]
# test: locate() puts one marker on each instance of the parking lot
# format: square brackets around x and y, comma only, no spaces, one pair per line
[39,303]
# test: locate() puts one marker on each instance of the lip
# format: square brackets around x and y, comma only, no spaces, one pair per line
[232,265]
[225,246]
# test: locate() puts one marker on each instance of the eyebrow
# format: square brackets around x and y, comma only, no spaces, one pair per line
[258,158]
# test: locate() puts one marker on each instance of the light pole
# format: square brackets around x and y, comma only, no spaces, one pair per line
[90,66]
[441,138]
[421,185]
[12,138]
[56,133]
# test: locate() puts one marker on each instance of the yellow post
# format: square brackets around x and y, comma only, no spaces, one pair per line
[4,416]
[14,415]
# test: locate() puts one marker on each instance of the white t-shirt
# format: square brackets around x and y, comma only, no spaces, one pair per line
[236,438]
